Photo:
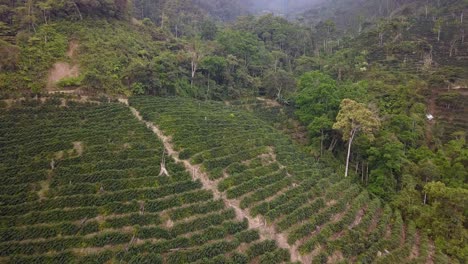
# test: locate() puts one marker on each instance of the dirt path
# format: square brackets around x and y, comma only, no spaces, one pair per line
[415,249]
[259,223]
[431,253]
[72,48]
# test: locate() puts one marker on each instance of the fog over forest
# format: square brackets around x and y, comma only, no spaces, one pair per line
[280,6]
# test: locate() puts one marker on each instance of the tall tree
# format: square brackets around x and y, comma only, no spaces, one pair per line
[318,102]
[197,51]
[278,84]
[352,119]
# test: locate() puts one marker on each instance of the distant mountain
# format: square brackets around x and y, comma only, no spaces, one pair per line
[223,10]
[353,15]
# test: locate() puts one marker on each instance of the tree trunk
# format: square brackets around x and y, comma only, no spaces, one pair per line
[208,91]
[194,65]
[321,143]
[78,10]
[333,144]
[357,165]
[353,133]
[452,47]
[45,16]
[367,173]
[362,172]
[278,94]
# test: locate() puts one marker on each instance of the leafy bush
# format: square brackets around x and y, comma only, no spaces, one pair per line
[70,82]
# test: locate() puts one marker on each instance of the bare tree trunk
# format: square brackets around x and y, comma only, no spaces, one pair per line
[333,144]
[367,173]
[276,65]
[194,69]
[452,47]
[31,23]
[45,16]
[163,165]
[278,95]
[362,172]
[321,143]
[353,133]
[77,10]
[208,91]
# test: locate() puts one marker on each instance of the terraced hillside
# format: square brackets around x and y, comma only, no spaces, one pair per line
[312,211]
[82,183]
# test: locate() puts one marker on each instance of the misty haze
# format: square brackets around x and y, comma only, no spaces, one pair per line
[282,6]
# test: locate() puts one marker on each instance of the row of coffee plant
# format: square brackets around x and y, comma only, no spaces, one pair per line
[321,213]
[81,183]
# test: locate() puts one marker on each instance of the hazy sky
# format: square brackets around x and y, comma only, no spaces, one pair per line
[279,5]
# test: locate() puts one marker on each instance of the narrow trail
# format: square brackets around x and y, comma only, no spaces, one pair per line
[266,231]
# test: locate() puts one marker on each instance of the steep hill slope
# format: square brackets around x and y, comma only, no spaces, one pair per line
[87,183]
[322,215]
[111,55]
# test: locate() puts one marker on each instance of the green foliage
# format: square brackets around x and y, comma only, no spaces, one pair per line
[445,217]
[9,56]
[313,207]
[241,44]
[407,58]
[354,117]
[317,100]
[106,196]
[70,82]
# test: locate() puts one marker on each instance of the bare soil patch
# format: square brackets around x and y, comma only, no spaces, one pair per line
[375,221]
[269,102]
[430,255]
[72,48]
[415,249]
[358,218]
[45,185]
[336,257]
[78,147]
[61,70]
